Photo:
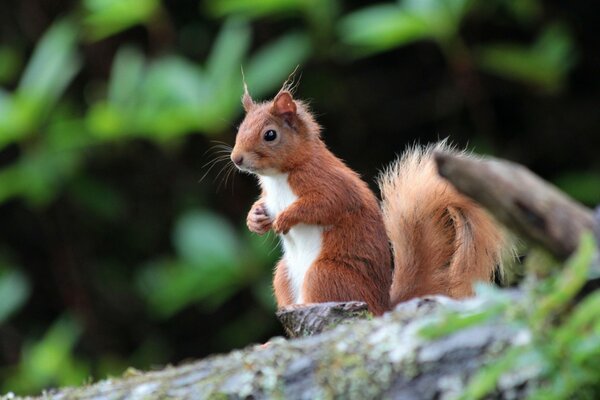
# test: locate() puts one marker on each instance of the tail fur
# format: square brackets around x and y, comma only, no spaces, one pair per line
[442,241]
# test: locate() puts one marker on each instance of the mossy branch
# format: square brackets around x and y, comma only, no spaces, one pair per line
[375,358]
[526,204]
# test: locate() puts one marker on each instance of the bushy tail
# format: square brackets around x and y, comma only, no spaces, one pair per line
[443,242]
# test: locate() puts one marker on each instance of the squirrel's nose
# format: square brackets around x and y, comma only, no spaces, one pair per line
[237,160]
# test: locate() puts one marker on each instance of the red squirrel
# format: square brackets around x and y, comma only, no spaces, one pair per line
[335,236]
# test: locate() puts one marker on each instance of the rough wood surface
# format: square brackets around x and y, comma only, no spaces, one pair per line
[377,358]
[310,319]
[525,203]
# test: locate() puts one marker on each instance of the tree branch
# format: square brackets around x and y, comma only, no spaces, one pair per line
[380,357]
[523,202]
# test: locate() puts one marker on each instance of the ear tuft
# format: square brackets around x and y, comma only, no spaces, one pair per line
[284,105]
[247,101]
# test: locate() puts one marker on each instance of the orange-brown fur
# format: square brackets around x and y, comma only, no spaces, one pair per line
[441,241]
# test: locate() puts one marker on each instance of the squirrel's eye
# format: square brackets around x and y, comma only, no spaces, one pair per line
[270,135]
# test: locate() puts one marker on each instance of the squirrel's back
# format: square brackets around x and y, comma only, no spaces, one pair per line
[442,241]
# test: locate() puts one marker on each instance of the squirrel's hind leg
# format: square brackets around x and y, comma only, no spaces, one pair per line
[281,285]
[327,281]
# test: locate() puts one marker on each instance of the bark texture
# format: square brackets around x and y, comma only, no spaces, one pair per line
[378,358]
[310,319]
[522,201]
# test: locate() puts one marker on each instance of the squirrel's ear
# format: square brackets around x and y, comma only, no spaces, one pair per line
[247,101]
[284,106]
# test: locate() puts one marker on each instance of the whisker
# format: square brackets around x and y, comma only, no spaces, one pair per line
[233,180]
[217,158]
[221,151]
[221,143]
[272,238]
[222,146]
[228,174]
[211,164]
[223,169]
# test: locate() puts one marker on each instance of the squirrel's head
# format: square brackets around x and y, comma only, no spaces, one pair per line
[275,136]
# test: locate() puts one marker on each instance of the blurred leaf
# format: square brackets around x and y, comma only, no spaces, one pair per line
[170,285]
[385,26]
[38,175]
[126,76]
[319,14]
[257,8]
[570,280]
[107,17]
[223,64]
[582,185]
[486,378]
[524,10]
[46,165]
[14,290]
[381,27]
[443,17]
[49,361]
[116,117]
[107,122]
[172,96]
[97,197]
[559,328]
[17,117]
[11,183]
[578,321]
[545,63]
[51,68]
[209,267]
[273,63]
[204,237]
[10,63]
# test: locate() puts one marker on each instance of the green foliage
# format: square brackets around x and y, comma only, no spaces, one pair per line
[564,345]
[105,17]
[211,264]
[208,265]
[582,185]
[258,8]
[51,68]
[318,14]
[382,27]
[561,345]
[10,62]
[386,26]
[49,361]
[545,63]
[171,96]
[14,291]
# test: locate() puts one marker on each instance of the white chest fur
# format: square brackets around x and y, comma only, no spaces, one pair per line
[302,244]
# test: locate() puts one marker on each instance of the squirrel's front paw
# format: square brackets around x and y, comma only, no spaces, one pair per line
[258,220]
[282,224]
